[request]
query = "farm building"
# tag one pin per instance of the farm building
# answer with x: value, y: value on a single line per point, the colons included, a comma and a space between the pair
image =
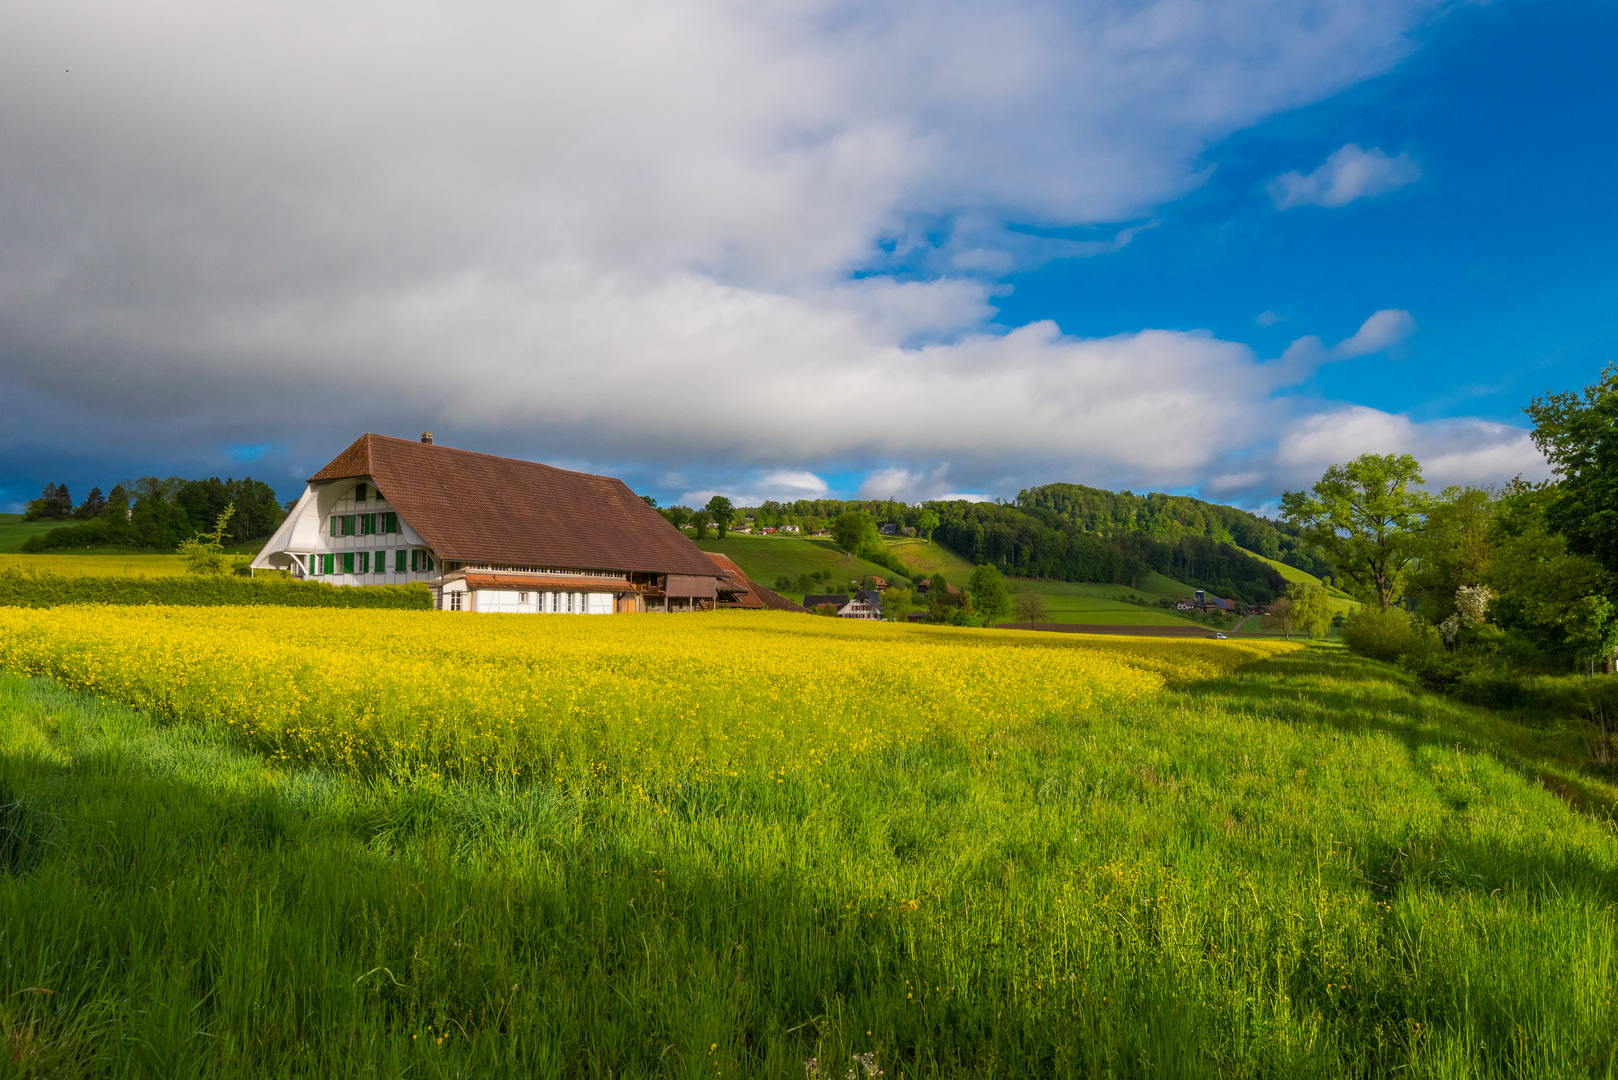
x: 864, y: 604
x: 488, y: 534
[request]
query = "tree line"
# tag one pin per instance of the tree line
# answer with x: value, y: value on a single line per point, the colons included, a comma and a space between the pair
x: 1470, y: 584
x: 154, y: 515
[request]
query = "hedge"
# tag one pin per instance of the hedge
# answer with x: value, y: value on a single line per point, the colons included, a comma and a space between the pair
x: 35, y: 589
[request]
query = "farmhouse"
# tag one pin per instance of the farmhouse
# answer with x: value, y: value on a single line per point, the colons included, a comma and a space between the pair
x: 488, y: 534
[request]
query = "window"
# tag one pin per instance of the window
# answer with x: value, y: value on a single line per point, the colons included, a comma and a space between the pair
x: 522, y: 598
x: 365, y: 562
x: 348, y: 562
x: 348, y: 524
x: 359, y: 493
x: 390, y: 523
x: 327, y: 563
x: 570, y: 603
x: 399, y: 561
x: 455, y: 601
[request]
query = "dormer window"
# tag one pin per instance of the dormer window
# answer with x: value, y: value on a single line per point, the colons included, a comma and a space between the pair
x: 359, y: 493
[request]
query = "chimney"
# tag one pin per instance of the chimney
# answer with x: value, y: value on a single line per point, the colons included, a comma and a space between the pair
x: 427, y: 437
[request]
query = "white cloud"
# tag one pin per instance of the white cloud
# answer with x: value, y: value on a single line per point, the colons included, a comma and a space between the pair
x: 1348, y: 174
x: 612, y: 230
x: 782, y: 485
x: 1385, y: 330
x: 1462, y: 451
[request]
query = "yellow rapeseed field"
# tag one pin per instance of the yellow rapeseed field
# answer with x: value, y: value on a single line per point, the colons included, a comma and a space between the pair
x: 650, y: 700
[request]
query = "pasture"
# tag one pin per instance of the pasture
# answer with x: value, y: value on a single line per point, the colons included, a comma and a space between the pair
x: 1182, y: 858
x: 14, y: 531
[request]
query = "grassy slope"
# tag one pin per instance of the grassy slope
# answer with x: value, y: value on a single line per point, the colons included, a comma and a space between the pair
x: 14, y: 531
x: 1339, y: 600
x: 1305, y: 869
x: 763, y: 558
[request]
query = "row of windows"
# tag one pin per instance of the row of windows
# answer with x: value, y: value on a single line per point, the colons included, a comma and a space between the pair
x: 364, y: 524
x: 369, y: 562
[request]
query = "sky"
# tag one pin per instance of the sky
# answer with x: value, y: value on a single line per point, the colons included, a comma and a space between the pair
x: 803, y: 249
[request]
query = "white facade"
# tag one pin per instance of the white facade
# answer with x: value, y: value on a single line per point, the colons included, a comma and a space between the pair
x: 334, y: 537
x: 459, y: 596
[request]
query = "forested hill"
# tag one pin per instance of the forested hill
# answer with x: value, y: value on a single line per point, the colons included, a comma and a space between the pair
x: 1170, y: 517
x: 1036, y: 541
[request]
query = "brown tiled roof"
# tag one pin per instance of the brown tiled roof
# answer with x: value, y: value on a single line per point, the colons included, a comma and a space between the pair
x: 756, y: 596
x: 473, y: 507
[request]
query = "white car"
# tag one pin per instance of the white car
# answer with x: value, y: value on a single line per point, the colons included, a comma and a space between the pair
x: 1221, y: 637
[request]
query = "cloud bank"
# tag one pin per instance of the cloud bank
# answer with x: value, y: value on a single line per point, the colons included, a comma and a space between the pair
x: 712, y: 238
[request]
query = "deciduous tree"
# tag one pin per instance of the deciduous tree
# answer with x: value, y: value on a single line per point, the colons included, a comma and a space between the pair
x: 722, y: 513
x: 1366, y: 516
x: 991, y: 600
x: 1030, y: 607
x: 1579, y: 437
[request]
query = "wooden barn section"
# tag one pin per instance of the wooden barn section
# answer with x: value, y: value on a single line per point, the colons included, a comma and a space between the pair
x: 488, y: 534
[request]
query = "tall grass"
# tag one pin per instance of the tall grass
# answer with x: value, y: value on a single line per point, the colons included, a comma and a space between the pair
x: 1305, y: 868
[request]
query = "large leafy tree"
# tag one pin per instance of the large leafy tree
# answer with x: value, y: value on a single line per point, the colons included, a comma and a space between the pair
x: 1579, y: 437
x: 1560, y: 601
x: 991, y: 600
x: 1456, y: 544
x: 1366, y: 517
x: 722, y: 513
x: 853, y: 531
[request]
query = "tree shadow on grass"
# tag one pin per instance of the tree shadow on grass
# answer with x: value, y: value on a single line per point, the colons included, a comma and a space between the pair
x: 1357, y: 696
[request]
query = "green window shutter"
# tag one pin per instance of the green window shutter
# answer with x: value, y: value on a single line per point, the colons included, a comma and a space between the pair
x: 348, y: 524
x: 327, y: 563
x: 334, y: 524
x: 398, y: 561
x: 390, y: 522
x: 426, y: 560
x: 348, y: 562
x: 314, y: 565
x: 415, y: 560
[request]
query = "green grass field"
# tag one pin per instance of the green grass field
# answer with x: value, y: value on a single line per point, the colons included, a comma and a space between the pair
x: 1306, y: 869
x: 14, y: 531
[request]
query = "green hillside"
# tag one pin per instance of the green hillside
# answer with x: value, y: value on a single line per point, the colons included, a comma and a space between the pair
x: 765, y: 558
x: 1341, y: 602
x: 14, y: 531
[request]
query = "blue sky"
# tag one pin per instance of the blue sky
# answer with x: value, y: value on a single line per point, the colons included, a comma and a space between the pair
x: 1502, y: 250
x: 894, y: 249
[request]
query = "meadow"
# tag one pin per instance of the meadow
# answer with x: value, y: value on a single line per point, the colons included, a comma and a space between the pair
x: 14, y: 531
x: 1190, y: 858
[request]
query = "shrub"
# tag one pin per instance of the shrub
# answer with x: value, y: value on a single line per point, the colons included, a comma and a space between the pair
x: 1381, y: 635
x: 40, y: 590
